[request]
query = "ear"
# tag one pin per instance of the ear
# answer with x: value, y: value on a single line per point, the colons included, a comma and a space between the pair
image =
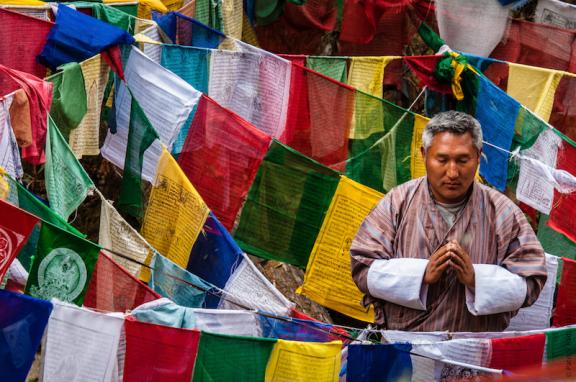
x: 423, y: 152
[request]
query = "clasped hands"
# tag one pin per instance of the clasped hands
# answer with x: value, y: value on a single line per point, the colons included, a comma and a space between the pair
x: 450, y: 255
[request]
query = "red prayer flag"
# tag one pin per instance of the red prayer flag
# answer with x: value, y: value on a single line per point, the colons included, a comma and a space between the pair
x: 15, y: 227
x: 112, y: 288
x: 39, y: 93
x: 515, y: 353
x: 221, y: 156
x: 564, y: 207
x: 424, y: 67
x: 565, y: 313
x: 23, y: 38
x: 159, y: 353
x: 320, y: 114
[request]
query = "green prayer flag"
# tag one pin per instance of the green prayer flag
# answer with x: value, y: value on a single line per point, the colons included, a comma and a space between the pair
x: 209, y: 12
x: 431, y: 38
x: 69, y: 100
x: 380, y: 152
x: 232, y: 358
x: 67, y: 183
x: 24, y: 199
x: 560, y: 343
x: 62, y: 266
x: 285, y: 206
x: 554, y: 242
x: 141, y: 134
x: 114, y: 16
x: 333, y: 67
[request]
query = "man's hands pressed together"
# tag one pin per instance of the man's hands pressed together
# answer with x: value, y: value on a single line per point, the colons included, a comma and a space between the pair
x: 450, y: 255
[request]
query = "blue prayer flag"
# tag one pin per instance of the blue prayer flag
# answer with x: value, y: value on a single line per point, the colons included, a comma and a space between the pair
x: 215, y: 256
x: 192, y: 32
x: 295, y: 329
x: 76, y: 37
x: 22, y: 323
x: 496, y: 111
x: 379, y: 362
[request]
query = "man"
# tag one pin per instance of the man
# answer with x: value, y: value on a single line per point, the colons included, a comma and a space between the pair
x: 444, y: 252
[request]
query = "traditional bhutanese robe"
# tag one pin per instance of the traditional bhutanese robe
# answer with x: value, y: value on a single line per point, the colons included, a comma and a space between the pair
x: 390, y: 252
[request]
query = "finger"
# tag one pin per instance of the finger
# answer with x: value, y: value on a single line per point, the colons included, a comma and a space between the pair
x: 444, y: 266
x: 440, y: 251
x: 459, y: 269
x: 458, y: 260
x: 443, y: 258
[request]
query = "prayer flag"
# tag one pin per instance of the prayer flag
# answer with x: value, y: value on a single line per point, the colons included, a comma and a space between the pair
x: 232, y: 358
x: 516, y: 353
x: 84, y: 140
x: 69, y: 102
x: 299, y: 328
x: 62, y: 266
x: 497, y: 113
x: 248, y: 287
x: 81, y: 345
x: 561, y: 343
x: 417, y: 166
x: 27, y: 201
x: 39, y: 95
x: 333, y: 67
x: 538, y: 315
x: 117, y: 235
x: 220, y: 157
x: 22, y: 40
x: 159, y: 353
x: 256, y: 86
x: 304, y: 361
x: 233, y: 322
x: 22, y: 323
x: 565, y: 313
x: 189, y: 63
x: 561, y: 217
x: 176, y: 283
x: 320, y: 115
x: 175, y: 213
x: 285, y: 206
x: 197, y: 32
x: 367, y: 74
x: 380, y: 154
x: 166, y: 100
x: 555, y: 242
x: 113, y: 289
x: 16, y: 226
x: 328, y: 279
x: 10, y: 158
x: 533, y: 87
x: 67, y: 183
x: 76, y: 37
x: 214, y: 257
x: 141, y: 134
x: 379, y: 362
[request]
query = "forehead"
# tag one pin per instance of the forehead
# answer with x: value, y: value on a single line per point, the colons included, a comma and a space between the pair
x: 448, y: 143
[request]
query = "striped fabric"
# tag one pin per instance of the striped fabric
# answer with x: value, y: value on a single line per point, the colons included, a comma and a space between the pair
x: 407, y: 224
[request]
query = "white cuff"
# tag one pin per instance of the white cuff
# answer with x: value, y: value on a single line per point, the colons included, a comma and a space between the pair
x: 399, y: 281
x: 497, y: 290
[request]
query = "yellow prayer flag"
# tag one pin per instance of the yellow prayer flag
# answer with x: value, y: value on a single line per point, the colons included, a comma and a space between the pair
x: 175, y: 213
x: 232, y: 12
x: 417, y: 167
x: 27, y: 3
x: 84, y: 140
x: 328, y: 279
x: 304, y: 361
x: 533, y: 87
x: 367, y: 74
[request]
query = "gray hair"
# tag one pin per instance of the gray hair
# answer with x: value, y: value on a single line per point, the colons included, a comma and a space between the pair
x: 454, y: 122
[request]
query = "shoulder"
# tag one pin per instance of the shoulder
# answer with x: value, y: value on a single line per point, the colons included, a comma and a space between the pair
x: 500, y: 205
x: 397, y: 198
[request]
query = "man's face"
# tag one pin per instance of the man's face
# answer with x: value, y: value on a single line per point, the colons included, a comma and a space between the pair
x: 451, y: 164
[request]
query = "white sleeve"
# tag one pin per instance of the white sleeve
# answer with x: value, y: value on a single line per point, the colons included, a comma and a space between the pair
x: 399, y: 281
x: 497, y: 290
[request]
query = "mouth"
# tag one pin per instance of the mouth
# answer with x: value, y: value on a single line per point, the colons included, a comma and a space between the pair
x: 452, y: 185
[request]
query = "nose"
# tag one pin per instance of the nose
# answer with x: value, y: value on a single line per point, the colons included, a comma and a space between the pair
x: 452, y: 171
